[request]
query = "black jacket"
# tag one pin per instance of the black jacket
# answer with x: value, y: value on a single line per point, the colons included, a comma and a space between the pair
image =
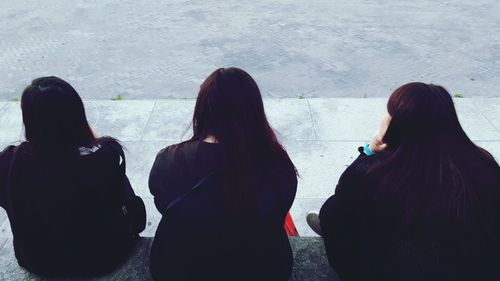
x: 66, y: 210
x: 362, y: 241
x: 195, y: 241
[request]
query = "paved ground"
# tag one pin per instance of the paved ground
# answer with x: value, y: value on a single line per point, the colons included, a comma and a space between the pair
x: 320, y: 134
x: 324, y: 48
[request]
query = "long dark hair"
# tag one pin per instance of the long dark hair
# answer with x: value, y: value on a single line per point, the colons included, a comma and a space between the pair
x: 432, y: 173
x: 230, y: 108
x: 54, y: 115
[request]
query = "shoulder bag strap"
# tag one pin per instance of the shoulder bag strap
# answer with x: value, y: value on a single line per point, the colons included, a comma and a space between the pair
x: 196, y: 186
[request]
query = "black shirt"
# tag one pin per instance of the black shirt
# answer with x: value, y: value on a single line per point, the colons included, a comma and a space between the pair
x: 363, y: 242
x: 65, y: 208
x: 196, y: 243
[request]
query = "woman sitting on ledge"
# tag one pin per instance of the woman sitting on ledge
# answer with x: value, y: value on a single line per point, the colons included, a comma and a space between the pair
x: 422, y: 202
x: 225, y: 193
x: 71, y: 208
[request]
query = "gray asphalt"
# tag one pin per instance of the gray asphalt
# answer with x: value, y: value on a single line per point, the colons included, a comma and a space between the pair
x: 153, y: 49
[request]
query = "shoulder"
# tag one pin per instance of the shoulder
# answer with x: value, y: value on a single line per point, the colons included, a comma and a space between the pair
x: 107, y: 145
x: 179, y: 151
x: 166, y: 153
x: 105, y: 151
x: 360, y: 167
x: 363, y: 163
x: 7, y: 151
x: 285, y: 168
x: 108, y: 142
x: 171, y: 162
x: 6, y: 155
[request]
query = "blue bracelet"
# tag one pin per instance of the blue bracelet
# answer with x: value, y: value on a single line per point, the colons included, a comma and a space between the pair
x: 367, y: 150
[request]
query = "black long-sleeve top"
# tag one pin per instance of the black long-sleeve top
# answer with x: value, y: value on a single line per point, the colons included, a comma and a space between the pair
x: 363, y: 244
x: 194, y: 243
x: 66, y: 209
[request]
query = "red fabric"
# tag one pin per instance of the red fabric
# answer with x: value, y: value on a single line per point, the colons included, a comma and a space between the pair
x: 290, y: 226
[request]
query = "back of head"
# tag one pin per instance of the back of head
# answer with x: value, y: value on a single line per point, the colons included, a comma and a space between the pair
x: 54, y: 115
x: 433, y: 178
x: 230, y: 108
x: 422, y: 114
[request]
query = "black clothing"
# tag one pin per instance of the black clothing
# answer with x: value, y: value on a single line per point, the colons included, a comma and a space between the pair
x: 72, y: 213
x: 195, y: 241
x: 363, y: 242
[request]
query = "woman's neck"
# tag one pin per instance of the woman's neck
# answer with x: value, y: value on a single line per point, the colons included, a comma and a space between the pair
x: 210, y: 139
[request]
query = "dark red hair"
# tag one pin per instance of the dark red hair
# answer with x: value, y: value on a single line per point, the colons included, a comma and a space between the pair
x: 230, y: 108
x: 433, y: 178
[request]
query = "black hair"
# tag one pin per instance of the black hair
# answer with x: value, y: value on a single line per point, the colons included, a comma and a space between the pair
x: 432, y: 173
x: 54, y: 115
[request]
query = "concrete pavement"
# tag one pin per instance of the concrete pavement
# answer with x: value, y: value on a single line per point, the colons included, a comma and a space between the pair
x: 153, y: 49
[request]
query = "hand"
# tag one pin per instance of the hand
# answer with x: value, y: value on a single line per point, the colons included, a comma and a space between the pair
x: 377, y: 144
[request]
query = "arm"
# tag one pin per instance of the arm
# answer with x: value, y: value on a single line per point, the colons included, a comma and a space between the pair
x: 291, y: 185
x: 128, y: 190
x: 340, y: 217
x: 171, y: 176
x: 158, y: 181
x: 134, y: 204
x: 5, y: 161
x: 284, y: 178
x: 119, y: 155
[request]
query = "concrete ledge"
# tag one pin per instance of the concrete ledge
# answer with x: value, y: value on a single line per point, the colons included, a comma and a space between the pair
x: 309, y: 252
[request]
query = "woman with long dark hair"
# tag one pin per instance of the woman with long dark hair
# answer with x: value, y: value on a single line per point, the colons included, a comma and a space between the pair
x: 425, y: 203
x: 71, y: 208
x: 225, y: 193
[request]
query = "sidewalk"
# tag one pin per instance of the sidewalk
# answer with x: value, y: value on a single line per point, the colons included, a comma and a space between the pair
x: 321, y: 136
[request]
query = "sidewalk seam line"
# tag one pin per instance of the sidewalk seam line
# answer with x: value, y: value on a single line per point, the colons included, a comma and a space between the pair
x: 147, y: 122
x: 5, y: 242
x: 312, y: 119
x: 3, y: 108
x: 482, y: 114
